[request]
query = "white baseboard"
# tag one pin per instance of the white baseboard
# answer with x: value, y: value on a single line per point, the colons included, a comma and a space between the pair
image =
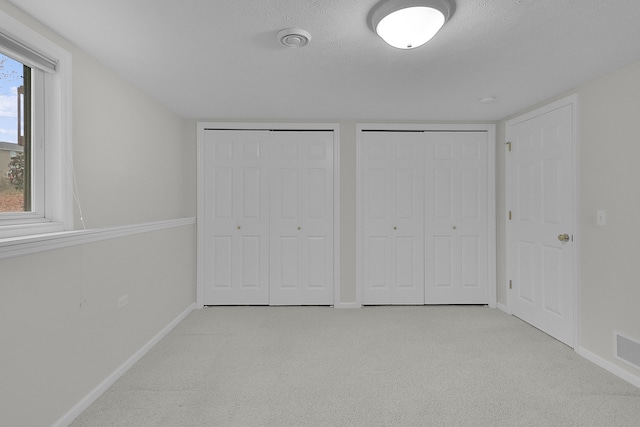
x: 347, y: 305
x: 94, y: 394
x: 611, y: 367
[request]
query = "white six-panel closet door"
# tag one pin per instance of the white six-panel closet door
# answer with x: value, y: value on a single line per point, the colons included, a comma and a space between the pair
x: 301, y: 267
x: 456, y: 218
x: 237, y: 218
x: 393, y: 184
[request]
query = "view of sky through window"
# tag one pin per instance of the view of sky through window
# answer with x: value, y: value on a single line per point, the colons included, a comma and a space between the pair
x: 13, y: 171
x: 10, y: 80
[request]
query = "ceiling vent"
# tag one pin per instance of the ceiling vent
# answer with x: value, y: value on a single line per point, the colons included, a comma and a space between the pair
x: 294, y: 37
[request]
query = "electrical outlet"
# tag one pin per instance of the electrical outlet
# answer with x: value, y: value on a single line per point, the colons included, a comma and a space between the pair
x: 123, y: 300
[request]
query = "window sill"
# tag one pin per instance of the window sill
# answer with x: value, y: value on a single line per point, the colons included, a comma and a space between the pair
x: 29, y: 229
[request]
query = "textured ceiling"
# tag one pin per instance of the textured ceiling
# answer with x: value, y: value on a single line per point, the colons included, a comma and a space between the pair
x: 221, y: 59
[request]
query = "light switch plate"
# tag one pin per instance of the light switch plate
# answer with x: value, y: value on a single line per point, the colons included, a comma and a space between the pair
x: 601, y: 217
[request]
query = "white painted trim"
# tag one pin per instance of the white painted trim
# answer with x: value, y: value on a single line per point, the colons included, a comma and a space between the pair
x: 53, y: 196
x: 617, y: 334
x: 611, y: 367
x: 336, y: 215
x: 94, y: 394
x: 490, y: 129
x: 576, y: 223
x: 21, y: 246
x: 25, y: 229
x: 435, y: 127
x: 502, y: 307
x: 347, y: 305
x: 571, y: 100
x: 359, y: 217
x: 200, y: 214
x: 202, y: 127
x: 507, y: 226
x: 492, y: 233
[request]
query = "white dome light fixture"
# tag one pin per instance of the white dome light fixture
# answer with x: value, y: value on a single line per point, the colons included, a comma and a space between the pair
x: 407, y: 24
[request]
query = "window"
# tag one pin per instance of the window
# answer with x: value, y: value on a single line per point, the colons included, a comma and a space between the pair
x: 15, y: 136
x: 35, y: 183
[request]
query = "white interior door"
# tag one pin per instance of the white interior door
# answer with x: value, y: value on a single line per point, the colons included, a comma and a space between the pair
x: 236, y: 227
x: 393, y: 213
x: 456, y: 251
x: 301, y: 218
x: 541, y: 229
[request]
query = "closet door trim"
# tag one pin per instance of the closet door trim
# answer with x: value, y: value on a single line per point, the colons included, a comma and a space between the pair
x: 201, y: 127
x: 490, y: 131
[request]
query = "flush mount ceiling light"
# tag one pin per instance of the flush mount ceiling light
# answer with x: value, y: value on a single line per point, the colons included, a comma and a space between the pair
x: 294, y: 37
x: 407, y: 24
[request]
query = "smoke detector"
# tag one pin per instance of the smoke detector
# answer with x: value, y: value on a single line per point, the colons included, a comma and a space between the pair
x: 294, y: 37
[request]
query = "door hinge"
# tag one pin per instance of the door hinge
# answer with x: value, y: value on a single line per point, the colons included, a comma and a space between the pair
x: 509, y: 215
x: 508, y: 144
x: 510, y: 284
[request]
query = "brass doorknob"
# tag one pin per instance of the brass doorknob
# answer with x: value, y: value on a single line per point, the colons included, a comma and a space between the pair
x: 563, y: 237
x: 299, y: 228
x: 395, y: 228
x: 239, y: 227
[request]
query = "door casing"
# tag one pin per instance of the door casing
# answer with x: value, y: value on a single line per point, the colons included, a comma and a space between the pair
x: 491, y: 194
x: 201, y: 127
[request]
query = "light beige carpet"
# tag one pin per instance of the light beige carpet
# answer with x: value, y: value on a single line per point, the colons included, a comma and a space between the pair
x: 376, y: 366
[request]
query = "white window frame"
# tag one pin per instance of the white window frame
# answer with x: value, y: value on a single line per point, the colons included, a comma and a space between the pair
x: 51, y: 139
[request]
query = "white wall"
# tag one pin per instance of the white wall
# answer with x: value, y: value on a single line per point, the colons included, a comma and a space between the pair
x: 609, y: 112
x: 61, y: 333
x: 608, y: 154
x: 133, y: 157
x: 348, y: 211
x: 60, y: 329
